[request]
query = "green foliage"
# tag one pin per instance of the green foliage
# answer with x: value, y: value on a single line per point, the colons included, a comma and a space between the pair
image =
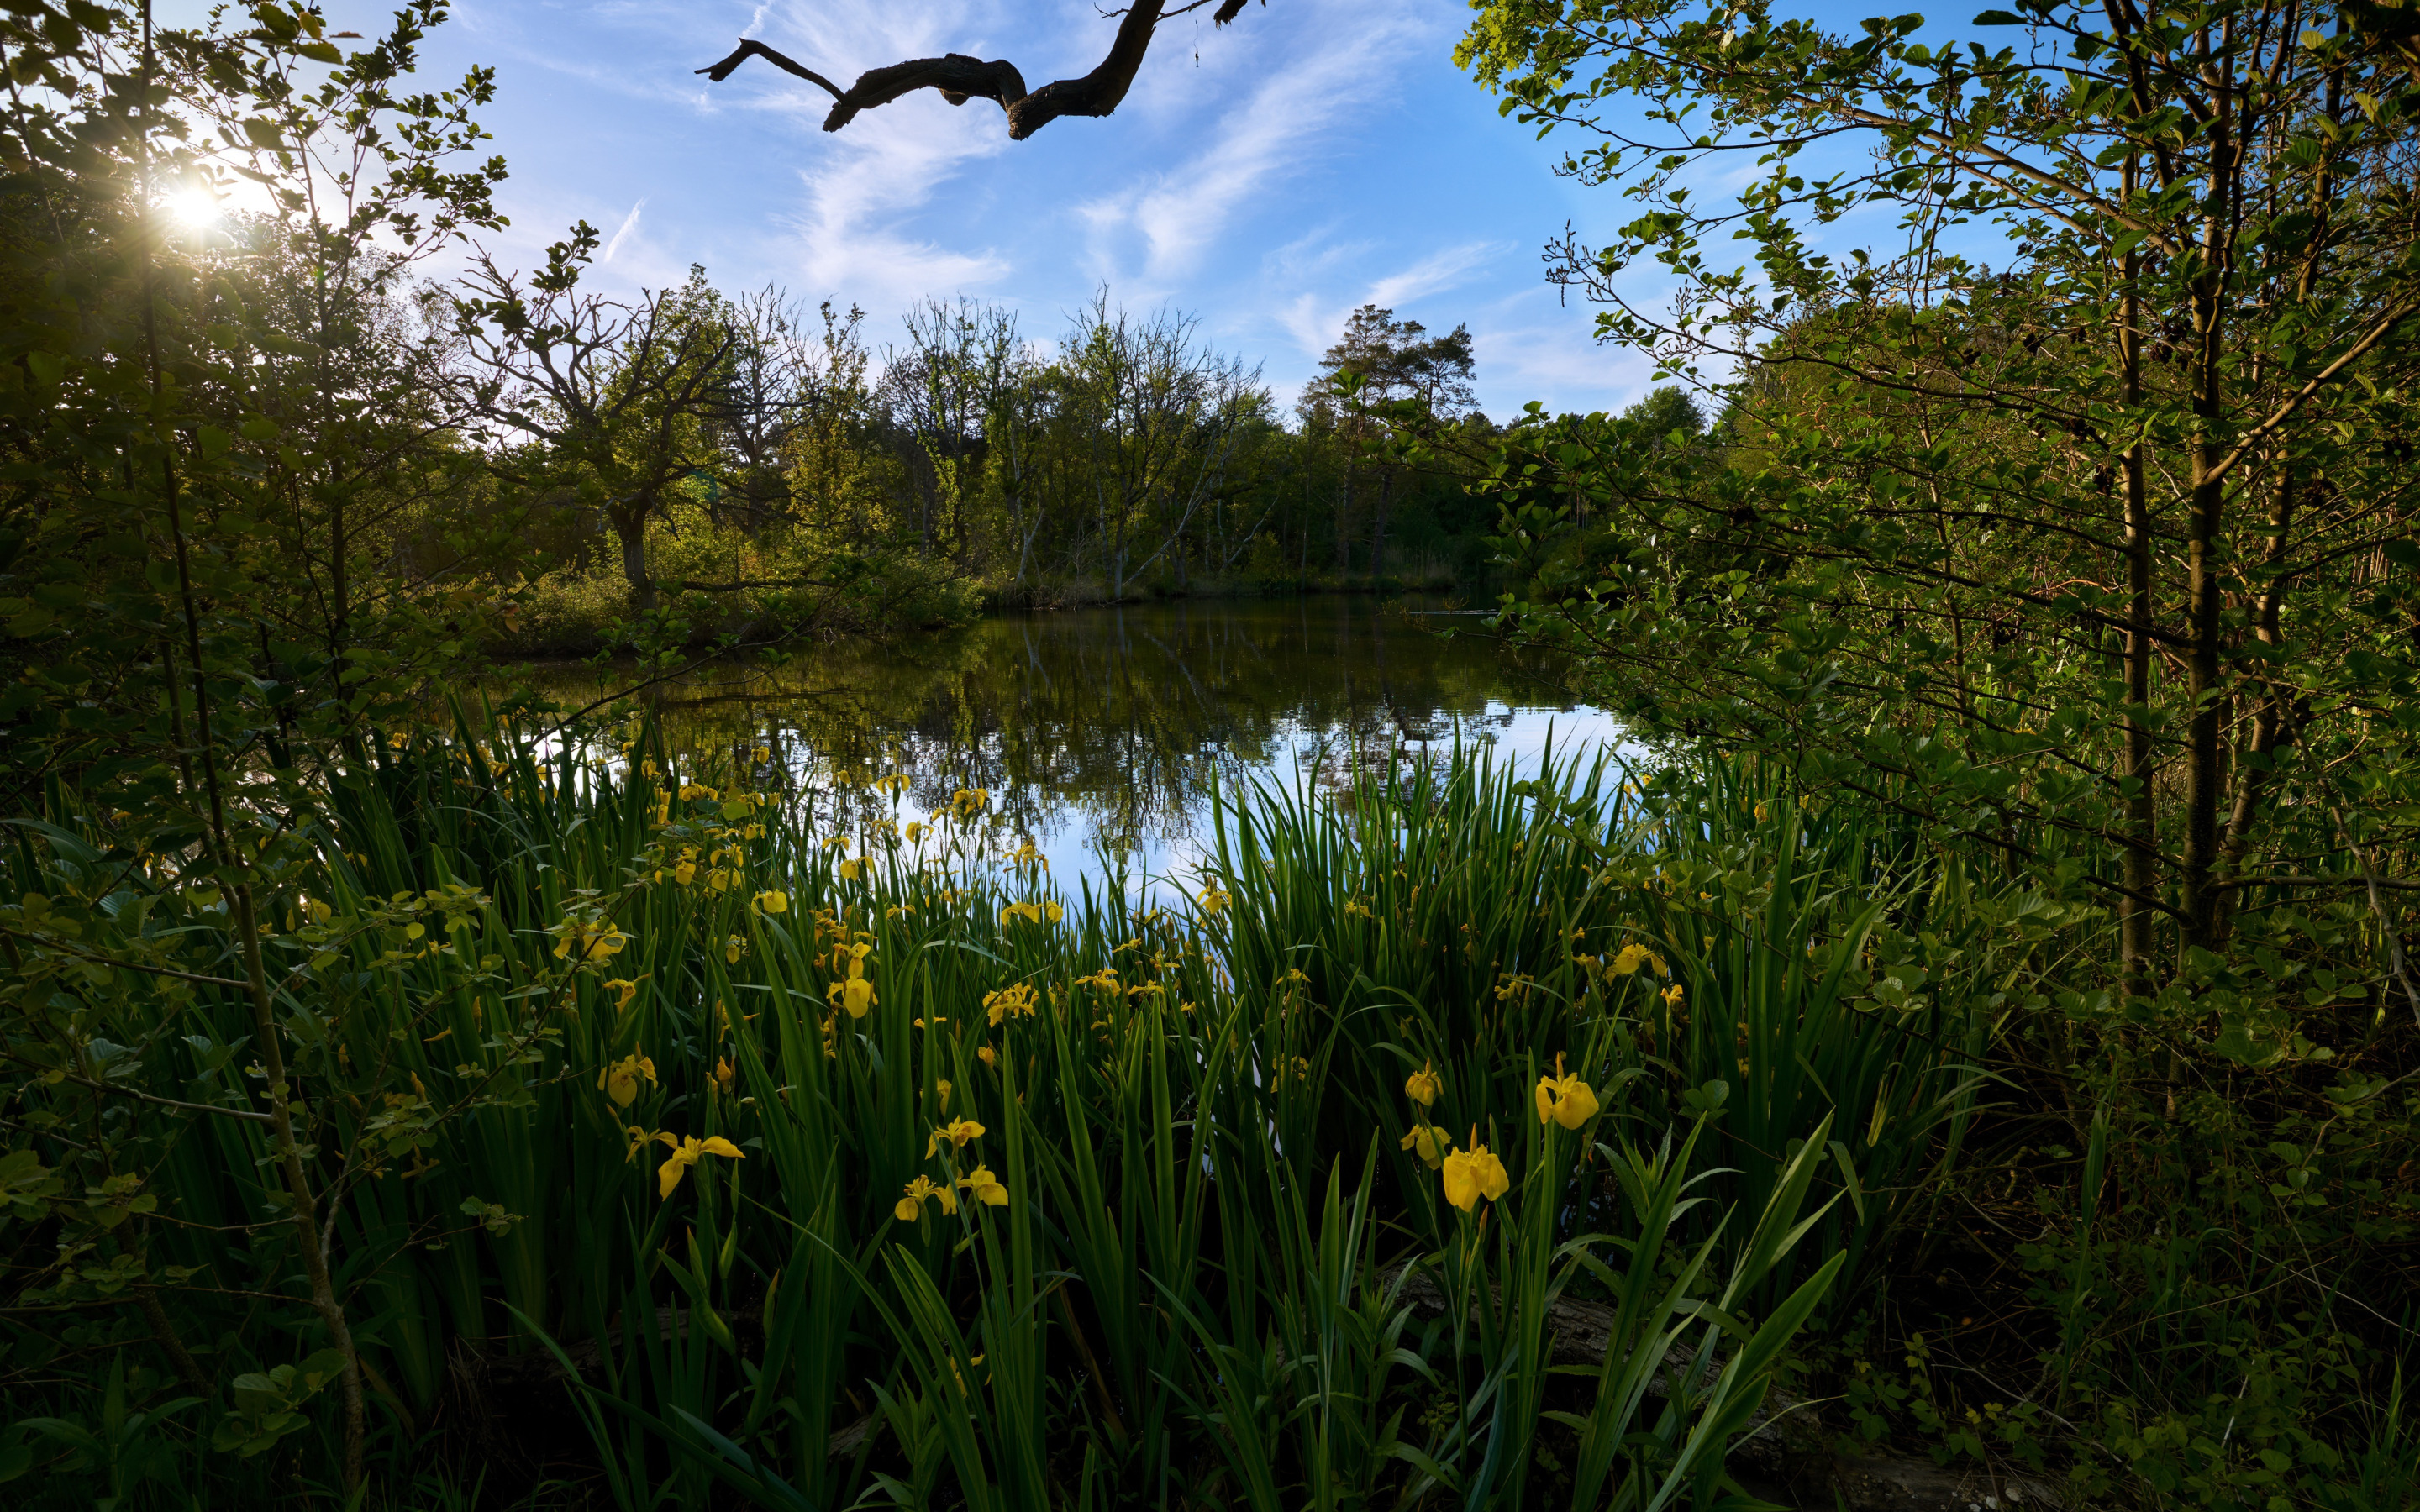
x: 624, y: 1057
x: 2059, y: 531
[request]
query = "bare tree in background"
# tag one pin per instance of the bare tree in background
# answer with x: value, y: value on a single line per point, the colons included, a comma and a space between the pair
x: 960, y: 78
x: 620, y: 393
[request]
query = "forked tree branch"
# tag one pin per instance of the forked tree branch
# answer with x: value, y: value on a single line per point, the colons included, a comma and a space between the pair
x: 960, y: 78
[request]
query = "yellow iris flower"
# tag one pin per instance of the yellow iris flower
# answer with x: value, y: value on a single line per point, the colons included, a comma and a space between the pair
x: 775, y: 902
x: 627, y: 988
x: 1472, y: 1174
x: 1014, y: 1001
x: 958, y: 1131
x: 913, y: 831
x: 851, y: 869
x: 982, y: 1185
x: 620, y: 1080
x: 912, y: 1207
x: 853, y: 992
x: 584, y: 943
x: 688, y: 1153
x: 1429, y: 1143
x: 967, y: 802
x: 1424, y: 1086
x: 733, y: 949
x: 726, y: 1076
x: 1632, y: 957
x: 1565, y: 1098
x: 1214, y: 901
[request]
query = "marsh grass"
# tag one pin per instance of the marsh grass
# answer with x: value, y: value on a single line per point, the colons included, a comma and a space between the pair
x: 629, y: 1088
x: 512, y: 981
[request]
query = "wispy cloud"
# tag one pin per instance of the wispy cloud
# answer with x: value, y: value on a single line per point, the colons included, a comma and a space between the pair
x: 1317, y: 75
x: 629, y: 224
x: 1267, y: 176
x: 1560, y: 362
x: 1314, y: 322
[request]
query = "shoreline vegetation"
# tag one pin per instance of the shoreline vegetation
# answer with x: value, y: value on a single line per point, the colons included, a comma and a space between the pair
x: 715, y: 1125
x: 565, y: 619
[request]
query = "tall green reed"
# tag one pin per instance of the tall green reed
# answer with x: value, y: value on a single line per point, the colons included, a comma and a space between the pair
x: 613, y: 1059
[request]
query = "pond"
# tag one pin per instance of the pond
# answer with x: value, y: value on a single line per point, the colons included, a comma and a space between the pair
x: 1099, y: 734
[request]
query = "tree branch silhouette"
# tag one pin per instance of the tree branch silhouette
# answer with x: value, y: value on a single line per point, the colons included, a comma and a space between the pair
x: 960, y: 78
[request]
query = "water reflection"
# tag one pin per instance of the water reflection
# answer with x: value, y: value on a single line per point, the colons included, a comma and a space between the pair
x: 1105, y: 729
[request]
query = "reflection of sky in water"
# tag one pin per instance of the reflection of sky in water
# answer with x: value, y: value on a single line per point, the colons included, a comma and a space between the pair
x: 1512, y: 735
x: 1108, y: 728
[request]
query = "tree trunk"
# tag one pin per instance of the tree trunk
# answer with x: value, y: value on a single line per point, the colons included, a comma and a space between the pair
x: 2205, y: 569
x: 1345, y: 525
x: 1378, y: 528
x: 2138, y: 865
x: 631, y: 527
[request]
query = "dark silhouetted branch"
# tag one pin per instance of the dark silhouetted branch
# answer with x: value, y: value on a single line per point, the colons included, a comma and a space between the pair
x: 960, y: 78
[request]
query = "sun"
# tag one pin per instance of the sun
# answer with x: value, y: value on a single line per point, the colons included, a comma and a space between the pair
x: 193, y: 207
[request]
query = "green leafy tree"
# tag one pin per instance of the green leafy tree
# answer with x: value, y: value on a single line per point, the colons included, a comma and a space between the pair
x: 1379, y: 364
x: 2071, y: 511
x: 197, y: 480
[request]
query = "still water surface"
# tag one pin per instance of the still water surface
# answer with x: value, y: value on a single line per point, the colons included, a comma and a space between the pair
x: 1100, y: 733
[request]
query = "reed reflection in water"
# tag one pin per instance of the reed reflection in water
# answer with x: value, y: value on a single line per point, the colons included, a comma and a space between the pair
x: 1102, y: 731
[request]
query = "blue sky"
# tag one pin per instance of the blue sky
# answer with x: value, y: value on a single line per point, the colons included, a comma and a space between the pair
x: 1268, y: 178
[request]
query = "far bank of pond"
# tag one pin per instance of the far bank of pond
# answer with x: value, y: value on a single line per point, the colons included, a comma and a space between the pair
x: 1104, y: 729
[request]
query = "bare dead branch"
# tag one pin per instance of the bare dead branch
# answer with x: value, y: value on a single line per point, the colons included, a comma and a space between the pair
x: 960, y: 78
x: 748, y: 49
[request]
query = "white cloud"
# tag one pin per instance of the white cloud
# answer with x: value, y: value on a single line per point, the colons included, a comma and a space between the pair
x: 1267, y: 176
x: 629, y: 224
x: 1319, y: 73
x: 1559, y: 361
x: 1314, y: 323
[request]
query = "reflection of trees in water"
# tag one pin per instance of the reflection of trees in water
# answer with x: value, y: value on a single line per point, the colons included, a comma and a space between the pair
x: 1122, y: 716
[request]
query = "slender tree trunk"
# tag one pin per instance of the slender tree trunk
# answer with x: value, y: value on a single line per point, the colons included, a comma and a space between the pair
x: 1379, y: 529
x: 2205, y: 570
x: 1345, y: 525
x: 2137, y: 867
x: 2271, y: 717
